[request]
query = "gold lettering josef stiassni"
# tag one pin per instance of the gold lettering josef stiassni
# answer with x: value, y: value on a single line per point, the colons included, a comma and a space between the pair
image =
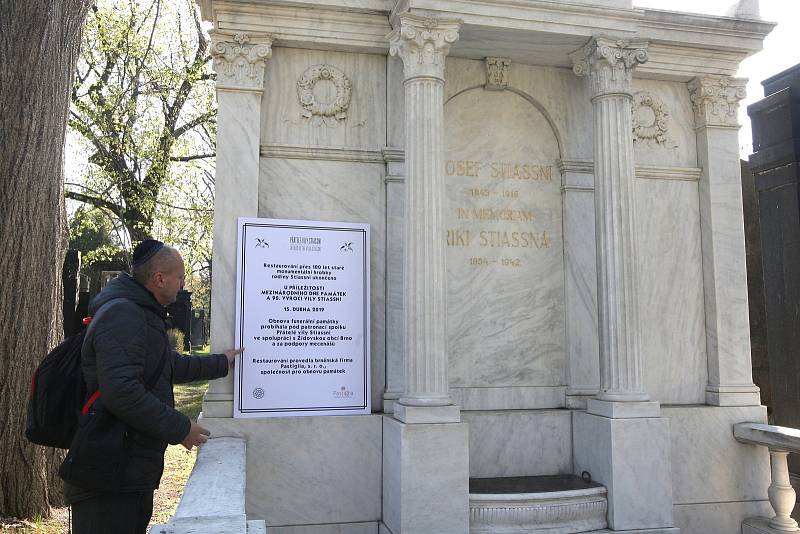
x: 500, y: 170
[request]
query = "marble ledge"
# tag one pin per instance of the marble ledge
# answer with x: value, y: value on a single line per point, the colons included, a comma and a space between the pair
x: 427, y: 414
x: 760, y: 525
x: 329, y: 27
x: 623, y: 410
x: 653, y: 172
x: 324, y: 153
x: 775, y: 437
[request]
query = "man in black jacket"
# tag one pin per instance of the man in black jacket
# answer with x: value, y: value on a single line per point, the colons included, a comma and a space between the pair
x: 122, y: 351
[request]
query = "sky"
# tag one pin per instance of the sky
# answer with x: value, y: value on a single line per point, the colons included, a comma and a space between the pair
x: 781, y: 47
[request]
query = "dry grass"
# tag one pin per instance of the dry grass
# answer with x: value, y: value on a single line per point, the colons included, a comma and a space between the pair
x: 178, y: 463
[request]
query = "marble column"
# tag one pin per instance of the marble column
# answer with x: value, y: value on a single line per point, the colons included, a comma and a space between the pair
x: 422, y: 44
x: 609, y: 66
x: 730, y: 379
x: 240, y: 61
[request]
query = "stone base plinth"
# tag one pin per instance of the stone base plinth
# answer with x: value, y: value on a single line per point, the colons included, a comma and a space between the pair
x: 425, y: 478
x: 631, y: 458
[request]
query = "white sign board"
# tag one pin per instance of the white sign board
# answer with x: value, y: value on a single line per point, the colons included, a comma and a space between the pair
x: 302, y: 301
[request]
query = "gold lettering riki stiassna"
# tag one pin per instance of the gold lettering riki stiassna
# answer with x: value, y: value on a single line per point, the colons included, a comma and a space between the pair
x: 499, y: 239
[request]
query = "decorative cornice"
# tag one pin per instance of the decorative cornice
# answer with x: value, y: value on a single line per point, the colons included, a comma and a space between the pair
x: 575, y: 165
x: 497, y: 73
x: 609, y: 63
x: 715, y: 100
x: 240, y: 59
x: 652, y: 172
x: 423, y: 43
x: 321, y: 153
x: 393, y: 154
x: 658, y: 172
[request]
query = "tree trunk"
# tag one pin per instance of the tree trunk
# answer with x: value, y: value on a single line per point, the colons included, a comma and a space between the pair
x: 39, y: 41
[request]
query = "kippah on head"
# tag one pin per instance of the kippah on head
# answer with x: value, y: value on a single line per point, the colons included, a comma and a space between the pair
x: 145, y: 250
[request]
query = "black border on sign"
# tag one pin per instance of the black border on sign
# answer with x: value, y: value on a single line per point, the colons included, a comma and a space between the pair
x: 365, y: 318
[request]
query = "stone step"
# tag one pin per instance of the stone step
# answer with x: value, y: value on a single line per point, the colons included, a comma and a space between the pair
x: 559, y: 504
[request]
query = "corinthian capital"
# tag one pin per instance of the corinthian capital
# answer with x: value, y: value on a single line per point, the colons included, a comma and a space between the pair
x: 422, y: 43
x: 715, y: 100
x: 240, y: 59
x: 609, y: 63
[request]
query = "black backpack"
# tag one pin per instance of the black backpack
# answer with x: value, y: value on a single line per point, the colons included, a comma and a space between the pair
x: 58, y: 391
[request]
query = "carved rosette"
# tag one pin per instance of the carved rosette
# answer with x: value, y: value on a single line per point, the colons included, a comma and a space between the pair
x: 423, y: 43
x: 650, y: 118
x: 240, y: 59
x: 609, y: 63
x: 497, y: 73
x: 715, y: 100
x: 324, y: 112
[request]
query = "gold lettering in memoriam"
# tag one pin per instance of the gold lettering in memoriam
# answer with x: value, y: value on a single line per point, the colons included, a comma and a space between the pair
x: 489, y: 214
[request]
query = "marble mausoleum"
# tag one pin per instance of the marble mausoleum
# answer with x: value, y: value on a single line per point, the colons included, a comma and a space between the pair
x: 559, y: 337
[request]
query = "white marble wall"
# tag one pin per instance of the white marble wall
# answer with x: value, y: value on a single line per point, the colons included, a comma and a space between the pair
x: 671, y: 306
x: 519, y: 443
x: 708, y: 464
x: 365, y: 125
x: 395, y: 338
x: 580, y: 285
x: 336, y: 191
x: 310, y: 470
x: 717, y: 481
x: 505, y: 320
x: 671, y: 290
x: 671, y: 104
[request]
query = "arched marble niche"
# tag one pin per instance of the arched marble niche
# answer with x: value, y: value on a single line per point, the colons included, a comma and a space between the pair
x: 502, y: 214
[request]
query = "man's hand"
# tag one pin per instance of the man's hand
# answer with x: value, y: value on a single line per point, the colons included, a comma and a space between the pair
x: 197, y: 435
x: 231, y: 355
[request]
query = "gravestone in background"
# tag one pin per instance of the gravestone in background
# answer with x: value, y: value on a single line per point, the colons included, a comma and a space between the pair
x: 198, y: 330
x: 82, y: 307
x: 776, y: 145
x: 69, y: 276
x: 180, y: 316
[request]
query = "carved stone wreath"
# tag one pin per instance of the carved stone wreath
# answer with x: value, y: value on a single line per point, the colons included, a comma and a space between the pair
x: 654, y: 130
x: 328, y: 112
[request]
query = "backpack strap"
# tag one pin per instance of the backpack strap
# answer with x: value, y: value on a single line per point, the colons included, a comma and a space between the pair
x: 151, y: 381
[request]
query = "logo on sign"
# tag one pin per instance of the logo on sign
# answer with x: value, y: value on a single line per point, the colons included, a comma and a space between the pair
x: 343, y: 393
x: 258, y: 393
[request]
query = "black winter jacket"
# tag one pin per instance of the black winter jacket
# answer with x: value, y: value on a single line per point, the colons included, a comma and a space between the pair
x: 122, y: 350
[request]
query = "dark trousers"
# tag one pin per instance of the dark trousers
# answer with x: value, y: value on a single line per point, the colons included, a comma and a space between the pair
x: 117, y: 513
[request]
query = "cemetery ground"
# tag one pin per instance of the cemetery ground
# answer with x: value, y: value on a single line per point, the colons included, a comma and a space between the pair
x: 178, y: 464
